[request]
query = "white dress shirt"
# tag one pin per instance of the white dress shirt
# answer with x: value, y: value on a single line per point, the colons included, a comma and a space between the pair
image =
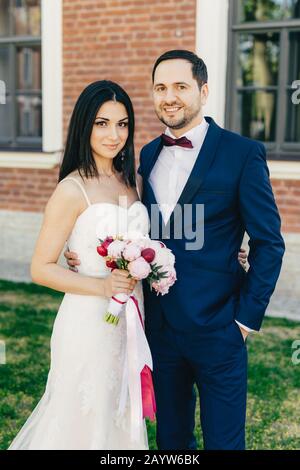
x: 172, y: 170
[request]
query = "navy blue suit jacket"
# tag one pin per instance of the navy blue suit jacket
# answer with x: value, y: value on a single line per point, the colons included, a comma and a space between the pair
x: 231, y: 178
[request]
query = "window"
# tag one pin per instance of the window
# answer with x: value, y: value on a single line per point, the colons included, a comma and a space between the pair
x: 20, y: 70
x: 263, y: 64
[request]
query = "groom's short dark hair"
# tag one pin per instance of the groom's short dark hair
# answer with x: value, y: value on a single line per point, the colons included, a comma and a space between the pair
x: 199, y: 69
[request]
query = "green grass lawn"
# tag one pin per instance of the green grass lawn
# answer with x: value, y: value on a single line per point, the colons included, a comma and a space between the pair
x: 27, y: 313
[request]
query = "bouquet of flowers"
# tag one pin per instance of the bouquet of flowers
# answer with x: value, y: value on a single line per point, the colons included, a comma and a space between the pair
x: 143, y: 258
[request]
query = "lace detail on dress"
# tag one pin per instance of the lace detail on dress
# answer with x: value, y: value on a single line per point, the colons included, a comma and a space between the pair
x: 88, y: 395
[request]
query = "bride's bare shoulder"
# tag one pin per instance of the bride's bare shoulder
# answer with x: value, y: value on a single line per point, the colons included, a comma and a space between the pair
x: 74, y: 175
x: 68, y: 193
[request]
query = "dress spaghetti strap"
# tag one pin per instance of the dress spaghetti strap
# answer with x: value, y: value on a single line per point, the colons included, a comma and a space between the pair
x: 80, y: 186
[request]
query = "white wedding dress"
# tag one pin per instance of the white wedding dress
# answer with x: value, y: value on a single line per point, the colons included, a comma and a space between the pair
x: 79, y: 408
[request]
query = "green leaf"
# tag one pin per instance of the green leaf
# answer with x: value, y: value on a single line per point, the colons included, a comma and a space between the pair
x: 163, y: 274
x: 119, y: 263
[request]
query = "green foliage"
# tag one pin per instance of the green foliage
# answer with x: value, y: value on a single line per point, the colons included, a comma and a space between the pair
x: 27, y: 313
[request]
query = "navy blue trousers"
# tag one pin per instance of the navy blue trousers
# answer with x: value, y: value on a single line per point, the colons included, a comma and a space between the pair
x: 217, y: 363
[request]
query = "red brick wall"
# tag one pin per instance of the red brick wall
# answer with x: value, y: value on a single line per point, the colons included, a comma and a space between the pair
x: 287, y: 195
x: 113, y: 39
x: 120, y: 40
x: 26, y: 189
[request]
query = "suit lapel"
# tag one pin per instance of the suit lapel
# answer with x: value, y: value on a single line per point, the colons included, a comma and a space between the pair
x: 151, y: 160
x: 152, y: 157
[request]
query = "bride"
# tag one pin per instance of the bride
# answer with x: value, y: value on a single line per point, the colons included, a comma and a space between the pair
x: 80, y: 405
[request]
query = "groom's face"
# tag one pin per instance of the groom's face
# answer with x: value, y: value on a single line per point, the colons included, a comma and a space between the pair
x: 177, y: 98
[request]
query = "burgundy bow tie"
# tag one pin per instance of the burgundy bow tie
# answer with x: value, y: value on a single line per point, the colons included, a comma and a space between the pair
x: 182, y: 141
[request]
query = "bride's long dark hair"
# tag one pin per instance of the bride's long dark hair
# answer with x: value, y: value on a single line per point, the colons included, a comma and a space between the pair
x: 77, y: 153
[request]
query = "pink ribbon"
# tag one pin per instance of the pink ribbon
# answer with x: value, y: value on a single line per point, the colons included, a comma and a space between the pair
x: 148, y: 395
x: 137, y: 384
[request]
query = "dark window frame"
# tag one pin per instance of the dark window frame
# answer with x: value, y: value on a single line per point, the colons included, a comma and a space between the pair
x: 13, y: 42
x: 280, y: 149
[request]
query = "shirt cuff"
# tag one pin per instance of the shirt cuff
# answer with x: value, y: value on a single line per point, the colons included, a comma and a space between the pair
x: 244, y: 327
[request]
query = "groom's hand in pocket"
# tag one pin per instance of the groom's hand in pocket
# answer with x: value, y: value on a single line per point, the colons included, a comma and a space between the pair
x: 71, y: 259
x: 245, y: 333
x: 243, y: 258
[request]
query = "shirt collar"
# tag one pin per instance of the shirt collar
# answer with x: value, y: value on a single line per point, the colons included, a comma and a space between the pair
x: 195, y: 135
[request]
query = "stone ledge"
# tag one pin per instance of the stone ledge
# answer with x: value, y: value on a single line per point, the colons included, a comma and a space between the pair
x: 40, y: 160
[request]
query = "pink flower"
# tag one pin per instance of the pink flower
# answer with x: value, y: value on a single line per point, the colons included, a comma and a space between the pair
x: 171, y: 275
x: 155, y: 245
x: 162, y: 286
x: 164, y: 257
x: 115, y: 249
x: 139, y: 268
x: 131, y: 252
x: 144, y: 242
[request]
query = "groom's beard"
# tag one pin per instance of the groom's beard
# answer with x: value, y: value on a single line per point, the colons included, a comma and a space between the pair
x: 189, y: 115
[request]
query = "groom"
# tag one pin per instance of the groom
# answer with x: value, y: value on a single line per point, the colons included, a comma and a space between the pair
x: 197, y: 333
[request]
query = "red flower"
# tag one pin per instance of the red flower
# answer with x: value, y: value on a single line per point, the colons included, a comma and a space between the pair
x: 148, y: 254
x: 111, y: 264
x: 102, y: 250
x: 107, y: 241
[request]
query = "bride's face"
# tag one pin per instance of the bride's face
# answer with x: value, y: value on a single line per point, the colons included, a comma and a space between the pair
x: 110, y: 130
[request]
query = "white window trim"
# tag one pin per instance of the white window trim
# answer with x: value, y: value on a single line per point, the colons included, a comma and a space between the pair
x: 52, y: 77
x: 212, y: 46
x: 29, y: 159
x: 284, y: 170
